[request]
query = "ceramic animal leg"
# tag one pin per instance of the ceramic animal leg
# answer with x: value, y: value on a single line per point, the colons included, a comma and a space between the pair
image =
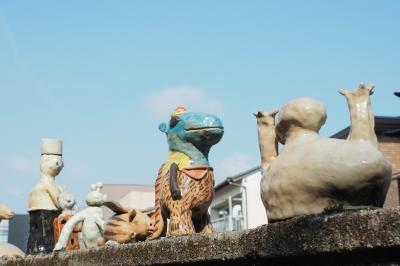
x: 361, y: 115
x: 181, y: 222
x: 203, y: 225
x: 267, y: 136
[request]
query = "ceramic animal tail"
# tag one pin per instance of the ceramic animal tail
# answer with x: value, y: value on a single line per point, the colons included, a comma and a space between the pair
x: 184, y: 186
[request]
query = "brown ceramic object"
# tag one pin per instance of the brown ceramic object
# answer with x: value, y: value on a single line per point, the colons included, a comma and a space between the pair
x: 133, y: 225
x: 58, y: 225
x: 189, y: 214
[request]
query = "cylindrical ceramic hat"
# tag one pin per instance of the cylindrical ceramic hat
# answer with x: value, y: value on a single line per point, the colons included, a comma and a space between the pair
x: 51, y: 147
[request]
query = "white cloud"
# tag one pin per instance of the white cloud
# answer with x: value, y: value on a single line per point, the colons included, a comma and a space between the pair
x: 236, y: 163
x: 162, y: 102
x: 21, y: 164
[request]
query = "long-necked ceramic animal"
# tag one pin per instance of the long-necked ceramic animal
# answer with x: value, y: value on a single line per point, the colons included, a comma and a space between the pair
x: 312, y: 174
x: 185, y: 183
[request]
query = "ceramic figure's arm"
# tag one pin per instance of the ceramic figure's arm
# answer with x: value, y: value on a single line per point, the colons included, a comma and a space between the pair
x: 100, y: 221
x: 267, y: 136
x: 54, y: 192
x: 68, y: 228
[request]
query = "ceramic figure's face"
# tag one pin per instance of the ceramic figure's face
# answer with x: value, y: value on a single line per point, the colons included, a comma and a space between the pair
x: 143, y: 226
x: 66, y: 200
x: 95, y: 198
x: 51, y: 165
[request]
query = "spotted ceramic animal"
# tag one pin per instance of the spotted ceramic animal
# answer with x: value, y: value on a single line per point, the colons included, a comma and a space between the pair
x: 185, y: 183
x: 129, y: 225
x: 313, y: 174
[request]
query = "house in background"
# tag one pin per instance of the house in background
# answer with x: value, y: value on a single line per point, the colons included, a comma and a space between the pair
x: 237, y: 203
x: 15, y: 231
x: 4, y: 231
x: 130, y: 196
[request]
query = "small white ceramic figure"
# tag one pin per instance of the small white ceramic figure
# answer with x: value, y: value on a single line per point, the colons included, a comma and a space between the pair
x: 43, y: 199
x: 92, y: 219
x: 6, y: 249
x: 67, y: 202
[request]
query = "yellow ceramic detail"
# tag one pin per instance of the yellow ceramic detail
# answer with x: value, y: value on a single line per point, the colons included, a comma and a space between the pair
x: 181, y: 159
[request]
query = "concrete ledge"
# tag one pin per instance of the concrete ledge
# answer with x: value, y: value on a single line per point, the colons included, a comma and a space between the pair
x: 361, y: 237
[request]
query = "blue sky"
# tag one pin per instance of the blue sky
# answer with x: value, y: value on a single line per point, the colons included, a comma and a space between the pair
x: 101, y: 75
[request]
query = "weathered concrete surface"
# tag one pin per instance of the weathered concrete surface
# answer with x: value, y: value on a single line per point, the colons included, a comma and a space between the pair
x: 357, y: 237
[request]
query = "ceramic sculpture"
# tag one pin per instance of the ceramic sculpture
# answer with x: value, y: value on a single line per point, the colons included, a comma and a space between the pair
x: 127, y: 225
x: 313, y: 174
x: 66, y: 202
x: 184, y: 186
x: 91, y: 218
x: 6, y: 249
x: 43, y: 199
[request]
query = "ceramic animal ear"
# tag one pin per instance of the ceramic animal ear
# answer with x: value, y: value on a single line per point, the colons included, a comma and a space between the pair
x: 151, y: 213
x: 163, y: 127
x: 132, y: 215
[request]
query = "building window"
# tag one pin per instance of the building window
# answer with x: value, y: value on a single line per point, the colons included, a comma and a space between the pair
x: 228, y: 216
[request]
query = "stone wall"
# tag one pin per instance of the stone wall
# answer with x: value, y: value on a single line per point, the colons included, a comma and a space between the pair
x: 356, y: 237
x: 390, y: 148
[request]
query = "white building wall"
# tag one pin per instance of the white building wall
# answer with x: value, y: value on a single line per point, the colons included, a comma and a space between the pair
x: 4, y: 231
x: 255, y: 208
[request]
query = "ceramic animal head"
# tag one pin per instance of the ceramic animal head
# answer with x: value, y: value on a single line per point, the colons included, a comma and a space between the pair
x: 133, y: 225
x: 66, y: 200
x: 305, y: 113
x: 186, y: 129
x: 5, y: 212
x: 51, y: 164
x: 96, y: 197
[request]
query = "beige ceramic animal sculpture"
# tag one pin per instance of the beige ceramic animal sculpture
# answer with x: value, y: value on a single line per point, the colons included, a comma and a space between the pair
x: 6, y: 249
x: 312, y: 174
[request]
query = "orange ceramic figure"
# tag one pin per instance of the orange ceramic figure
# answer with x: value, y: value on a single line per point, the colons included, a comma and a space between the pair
x: 58, y: 224
x: 185, y: 183
x: 129, y: 225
